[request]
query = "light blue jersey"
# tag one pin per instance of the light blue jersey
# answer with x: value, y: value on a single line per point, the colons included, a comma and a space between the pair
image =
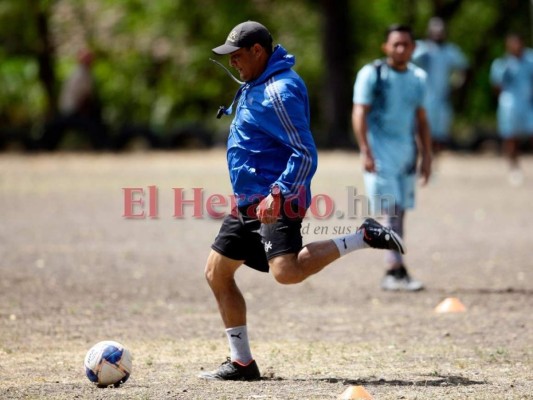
x: 391, y: 121
x: 439, y: 61
x: 393, y: 99
x: 514, y: 77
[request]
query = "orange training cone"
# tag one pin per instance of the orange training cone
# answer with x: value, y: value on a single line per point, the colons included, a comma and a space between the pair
x: 355, y: 393
x: 449, y: 305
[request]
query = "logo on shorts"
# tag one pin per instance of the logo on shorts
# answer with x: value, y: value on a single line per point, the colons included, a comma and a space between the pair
x: 268, y: 246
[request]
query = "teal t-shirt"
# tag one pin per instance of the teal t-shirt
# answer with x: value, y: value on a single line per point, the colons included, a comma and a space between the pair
x: 391, y: 120
x: 439, y: 61
x: 514, y: 76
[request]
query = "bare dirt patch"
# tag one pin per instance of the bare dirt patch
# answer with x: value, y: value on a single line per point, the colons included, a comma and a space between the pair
x: 73, y: 272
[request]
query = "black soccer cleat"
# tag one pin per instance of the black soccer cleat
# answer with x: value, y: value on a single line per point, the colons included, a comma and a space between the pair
x: 381, y: 237
x: 233, y: 371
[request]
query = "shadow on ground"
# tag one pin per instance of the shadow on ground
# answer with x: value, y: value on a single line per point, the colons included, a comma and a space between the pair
x: 426, y: 380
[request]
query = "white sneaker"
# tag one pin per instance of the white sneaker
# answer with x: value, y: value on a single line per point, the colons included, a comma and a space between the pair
x: 516, y: 177
x: 399, y: 280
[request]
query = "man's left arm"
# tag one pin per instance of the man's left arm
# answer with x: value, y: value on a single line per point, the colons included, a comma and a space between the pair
x: 289, y: 124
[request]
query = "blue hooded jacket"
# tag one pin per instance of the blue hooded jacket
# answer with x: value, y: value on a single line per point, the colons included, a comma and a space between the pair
x: 270, y: 142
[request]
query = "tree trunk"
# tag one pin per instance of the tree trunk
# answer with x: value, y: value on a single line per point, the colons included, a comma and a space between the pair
x: 45, y: 55
x: 338, y: 53
x: 446, y: 9
x: 410, y: 12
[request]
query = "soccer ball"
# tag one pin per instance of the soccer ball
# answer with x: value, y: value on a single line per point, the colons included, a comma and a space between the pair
x: 108, y: 363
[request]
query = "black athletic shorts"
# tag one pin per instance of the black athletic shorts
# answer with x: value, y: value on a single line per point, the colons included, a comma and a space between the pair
x: 243, y: 237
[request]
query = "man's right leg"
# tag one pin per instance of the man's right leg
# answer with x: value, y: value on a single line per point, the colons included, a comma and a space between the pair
x: 395, y: 221
x: 397, y: 277
x: 389, y: 196
x: 511, y: 150
x: 220, y: 274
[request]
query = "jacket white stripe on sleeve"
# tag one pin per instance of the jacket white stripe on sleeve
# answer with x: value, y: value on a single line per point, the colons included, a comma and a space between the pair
x: 292, y: 133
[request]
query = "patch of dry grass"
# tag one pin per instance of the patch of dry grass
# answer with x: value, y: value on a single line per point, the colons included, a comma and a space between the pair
x: 73, y: 272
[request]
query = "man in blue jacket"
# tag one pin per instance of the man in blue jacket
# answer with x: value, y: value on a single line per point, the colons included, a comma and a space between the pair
x: 271, y: 158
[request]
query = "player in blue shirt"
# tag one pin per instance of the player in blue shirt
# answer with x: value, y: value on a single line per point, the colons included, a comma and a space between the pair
x: 389, y: 121
x: 441, y: 60
x: 512, y: 78
x: 271, y: 160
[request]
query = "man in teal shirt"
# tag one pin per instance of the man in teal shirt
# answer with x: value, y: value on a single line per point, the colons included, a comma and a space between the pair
x: 441, y: 60
x: 389, y: 121
x: 512, y: 78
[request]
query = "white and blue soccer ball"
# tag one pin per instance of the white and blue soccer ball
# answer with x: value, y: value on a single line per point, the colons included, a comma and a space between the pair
x: 108, y: 363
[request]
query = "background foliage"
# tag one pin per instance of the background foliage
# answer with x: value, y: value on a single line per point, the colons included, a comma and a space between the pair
x: 153, y: 63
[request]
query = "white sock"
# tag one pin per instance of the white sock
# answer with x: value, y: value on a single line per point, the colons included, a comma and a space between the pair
x: 353, y: 241
x: 239, y: 345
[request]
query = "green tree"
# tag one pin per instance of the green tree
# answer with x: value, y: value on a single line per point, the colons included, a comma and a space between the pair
x: 28, y: 54
x: 153, y: 63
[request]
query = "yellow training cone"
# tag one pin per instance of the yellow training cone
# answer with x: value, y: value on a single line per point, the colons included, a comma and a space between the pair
x: 449, y: 305
x: 355, y: 393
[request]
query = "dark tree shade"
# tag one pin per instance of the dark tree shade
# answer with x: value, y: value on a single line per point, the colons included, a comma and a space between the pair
x: 45, y: 55
x: 338, y: 55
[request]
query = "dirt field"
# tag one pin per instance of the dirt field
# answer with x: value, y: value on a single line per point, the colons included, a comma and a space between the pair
x: 74, y: 271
